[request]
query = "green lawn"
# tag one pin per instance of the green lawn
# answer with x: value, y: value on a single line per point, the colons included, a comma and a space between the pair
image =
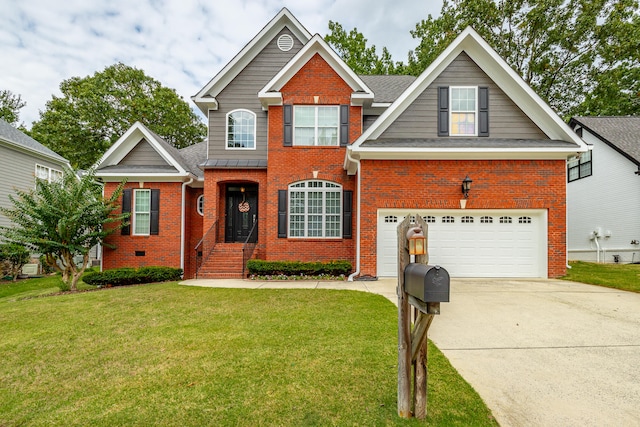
x: 166, y: 355
x: 620, y: 276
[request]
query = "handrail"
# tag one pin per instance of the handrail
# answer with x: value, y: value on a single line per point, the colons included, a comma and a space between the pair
x: 205, y: 246
x: 249, y: 246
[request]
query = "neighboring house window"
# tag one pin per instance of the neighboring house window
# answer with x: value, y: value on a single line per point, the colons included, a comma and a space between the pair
x: 48, y: 174
x: 141, y: 212
x: 315, y: 209
x: 316, y: 125
x: 144, y: 207
x: 579, y: 167
x: 463, y: 111
x: 241, y: 130
x: 200, y: 205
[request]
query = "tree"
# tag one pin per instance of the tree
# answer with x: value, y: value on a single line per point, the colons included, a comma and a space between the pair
x: 10, y: 106
x: 352, y: 48
x: 62, y: 220
x: 95, y: 111
x: 15, y: 256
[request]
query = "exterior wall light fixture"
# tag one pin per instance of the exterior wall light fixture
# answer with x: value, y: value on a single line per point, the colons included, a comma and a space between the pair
x: 466, y: 186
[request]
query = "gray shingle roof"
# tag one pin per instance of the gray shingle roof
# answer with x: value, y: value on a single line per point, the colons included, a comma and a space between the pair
x: 387, y: 88
x: 13, y: 136
x: 621, y: 132
x: 193, y: 156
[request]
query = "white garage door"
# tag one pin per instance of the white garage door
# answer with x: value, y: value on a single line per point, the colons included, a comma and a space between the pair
x: 473, y: 243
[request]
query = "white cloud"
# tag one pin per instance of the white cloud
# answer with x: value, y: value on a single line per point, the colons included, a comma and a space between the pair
x: 183, y: 44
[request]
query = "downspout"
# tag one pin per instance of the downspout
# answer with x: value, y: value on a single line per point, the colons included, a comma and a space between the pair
x: 357, y: 271
x: 183, y: 222
x: 595, y: 238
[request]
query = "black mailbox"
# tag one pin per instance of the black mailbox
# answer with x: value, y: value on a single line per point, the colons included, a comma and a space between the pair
x: 428, y: 283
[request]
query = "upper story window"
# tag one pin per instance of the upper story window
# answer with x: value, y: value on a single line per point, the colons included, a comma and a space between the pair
x: 315, y: 125
x: 200, y: 205
x: 315, y: 209
x: 241, y: 130
x: 463, y: 111
x: 579, y: 167
x: 48, y: 174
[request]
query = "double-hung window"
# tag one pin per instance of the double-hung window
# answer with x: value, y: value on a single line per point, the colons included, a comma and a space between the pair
x: 316, y: 125
x: 241, y: 130
x: 463, y: 111
x: 579, y: 167
x: 142, y: 212
x: 315, y: 209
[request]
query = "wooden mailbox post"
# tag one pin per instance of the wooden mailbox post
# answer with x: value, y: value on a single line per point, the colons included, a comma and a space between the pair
x: 412, y: 344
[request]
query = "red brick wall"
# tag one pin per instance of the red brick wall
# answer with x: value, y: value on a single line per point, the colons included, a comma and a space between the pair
x: 287, y: 165
x: 435, y: 184
x: 160, y: 250
x: 193, y: 230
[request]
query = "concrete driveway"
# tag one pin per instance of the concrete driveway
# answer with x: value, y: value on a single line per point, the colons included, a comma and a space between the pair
x: 545, y: 352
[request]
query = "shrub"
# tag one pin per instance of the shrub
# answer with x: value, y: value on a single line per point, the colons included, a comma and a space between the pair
x: 261, y: 267
x: 132, y: 276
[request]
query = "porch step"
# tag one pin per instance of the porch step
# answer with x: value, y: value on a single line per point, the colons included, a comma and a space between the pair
x: 225, y: 262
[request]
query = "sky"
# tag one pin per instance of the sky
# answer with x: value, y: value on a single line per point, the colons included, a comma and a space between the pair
x: 180, y: 43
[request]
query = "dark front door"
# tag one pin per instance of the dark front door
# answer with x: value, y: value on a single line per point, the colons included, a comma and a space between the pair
x: 242, y: 213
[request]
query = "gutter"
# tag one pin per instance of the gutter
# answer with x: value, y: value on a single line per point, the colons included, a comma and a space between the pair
x: 357, y: 271
x: 183, y: 223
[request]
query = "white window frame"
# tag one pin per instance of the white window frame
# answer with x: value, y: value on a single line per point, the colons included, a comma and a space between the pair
x: 229, y: 114
x: 200, y: 205
x: 316, y: 127
x: 47, y: 173
x: 453, y: 111
x: 300, y: 211
x: 139, y: 213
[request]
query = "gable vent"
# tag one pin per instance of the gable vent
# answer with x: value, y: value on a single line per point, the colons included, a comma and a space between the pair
x: 285, y: 42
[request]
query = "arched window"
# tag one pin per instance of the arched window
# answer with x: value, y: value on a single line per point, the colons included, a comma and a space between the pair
x: 241, y: 130
x: 315, y: 209
x: 200, y: 205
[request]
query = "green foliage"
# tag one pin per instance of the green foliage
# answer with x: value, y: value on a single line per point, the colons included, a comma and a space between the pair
x: 297, y: 268
x: 132, y: 276
x: 14, y: 255
x: 10, y: 106
x: 95, y: 111
x: 63, y: 219
x: 352, y: 48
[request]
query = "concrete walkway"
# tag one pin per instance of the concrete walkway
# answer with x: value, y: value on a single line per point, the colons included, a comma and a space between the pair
x: 539, y: 352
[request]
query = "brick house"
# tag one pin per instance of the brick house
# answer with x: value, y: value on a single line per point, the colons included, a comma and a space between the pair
x: 305, y: 160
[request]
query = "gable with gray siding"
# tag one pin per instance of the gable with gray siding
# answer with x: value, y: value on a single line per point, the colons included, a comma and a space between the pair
x: 242, y: 93
x: 420, y: 119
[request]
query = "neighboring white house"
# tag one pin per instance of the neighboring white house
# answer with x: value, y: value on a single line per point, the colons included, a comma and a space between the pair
x: 22, y: 160
x: 603, y: 193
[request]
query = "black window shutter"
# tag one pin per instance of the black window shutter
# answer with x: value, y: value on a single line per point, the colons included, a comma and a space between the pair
x: 483, y: 111
x: 344, y: 125
x: 347, y: 210
x: 155, y: 210
x: 282, y: 213
x: 443, y: 111
x: 126, y: 208
x: 288, y: 125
